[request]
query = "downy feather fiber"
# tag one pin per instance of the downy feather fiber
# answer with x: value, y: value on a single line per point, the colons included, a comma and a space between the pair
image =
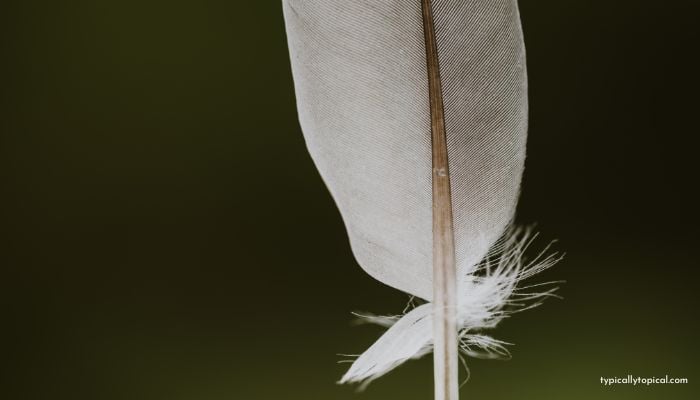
x: 359, y: 70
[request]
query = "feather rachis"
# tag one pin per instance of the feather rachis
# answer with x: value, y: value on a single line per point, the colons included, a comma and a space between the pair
x: 445, y: 354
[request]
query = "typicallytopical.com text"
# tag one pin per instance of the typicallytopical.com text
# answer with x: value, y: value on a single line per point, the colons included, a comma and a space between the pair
x: 641, y: 380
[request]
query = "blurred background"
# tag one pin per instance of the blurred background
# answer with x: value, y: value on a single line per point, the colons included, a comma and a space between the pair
x: 164, y: 234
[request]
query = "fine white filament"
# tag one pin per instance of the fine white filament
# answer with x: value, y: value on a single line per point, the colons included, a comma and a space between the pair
x: 485, y: 297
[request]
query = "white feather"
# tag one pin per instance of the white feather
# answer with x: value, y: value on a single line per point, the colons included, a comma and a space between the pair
x: 363, y: 95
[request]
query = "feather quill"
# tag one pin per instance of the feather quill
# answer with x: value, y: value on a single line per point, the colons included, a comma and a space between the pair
x: 415, y: 114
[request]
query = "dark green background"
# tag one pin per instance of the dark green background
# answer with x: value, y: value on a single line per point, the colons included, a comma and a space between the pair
x: 166, y: 236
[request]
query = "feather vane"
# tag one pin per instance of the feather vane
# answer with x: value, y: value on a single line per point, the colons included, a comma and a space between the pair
x: 376, y: 81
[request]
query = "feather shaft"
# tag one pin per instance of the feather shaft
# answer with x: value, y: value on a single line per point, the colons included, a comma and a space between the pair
x: 445, y: 356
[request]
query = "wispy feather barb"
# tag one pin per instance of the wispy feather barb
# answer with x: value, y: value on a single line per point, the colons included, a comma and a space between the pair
x: 486, y: 296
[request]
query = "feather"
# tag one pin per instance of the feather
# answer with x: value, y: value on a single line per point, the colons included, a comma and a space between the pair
x: 415, y: 114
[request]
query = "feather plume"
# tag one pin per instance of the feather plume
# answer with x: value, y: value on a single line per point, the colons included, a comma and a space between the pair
x: 415, y: 114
